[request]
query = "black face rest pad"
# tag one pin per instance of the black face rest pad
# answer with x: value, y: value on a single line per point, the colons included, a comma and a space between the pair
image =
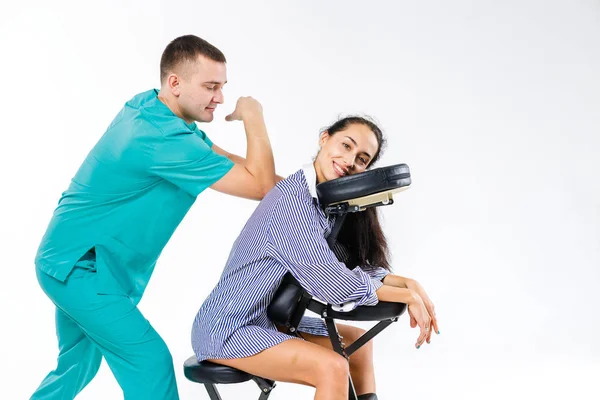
x: 363, y: 184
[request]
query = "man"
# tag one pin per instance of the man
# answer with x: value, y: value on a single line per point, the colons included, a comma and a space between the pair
x: 120, y: 210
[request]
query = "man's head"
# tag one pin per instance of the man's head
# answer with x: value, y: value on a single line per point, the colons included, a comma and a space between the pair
x: 192, y: 75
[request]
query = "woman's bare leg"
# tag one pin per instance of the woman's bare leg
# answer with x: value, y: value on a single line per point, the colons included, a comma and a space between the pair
x: 299, y: 361
x: 361, y: 362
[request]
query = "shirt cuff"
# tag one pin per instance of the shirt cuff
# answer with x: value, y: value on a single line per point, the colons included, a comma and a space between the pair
x: 368, y: 299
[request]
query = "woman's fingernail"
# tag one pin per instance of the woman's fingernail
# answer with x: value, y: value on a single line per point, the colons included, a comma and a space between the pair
x: 418, y: 347
x: 438, y: 332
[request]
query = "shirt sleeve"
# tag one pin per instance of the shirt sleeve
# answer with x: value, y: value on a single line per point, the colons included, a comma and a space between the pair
x: 376, y: 273
x: 187, y: 160
x: 342, y: 254
x: 296, y: 240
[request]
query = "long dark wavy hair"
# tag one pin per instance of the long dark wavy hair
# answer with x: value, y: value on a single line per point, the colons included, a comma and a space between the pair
x: 361, y: 232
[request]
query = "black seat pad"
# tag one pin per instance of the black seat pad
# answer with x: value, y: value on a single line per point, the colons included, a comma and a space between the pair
x: 363, y: 184
x: 208, y: 372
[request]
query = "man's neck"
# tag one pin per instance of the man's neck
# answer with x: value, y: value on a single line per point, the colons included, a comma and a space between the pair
x: 170, y: 102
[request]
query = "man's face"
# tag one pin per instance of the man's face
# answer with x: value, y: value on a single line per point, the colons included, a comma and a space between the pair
x: 200, y: 89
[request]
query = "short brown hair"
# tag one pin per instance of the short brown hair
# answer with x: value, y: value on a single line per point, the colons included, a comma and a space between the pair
x: 187, y: 48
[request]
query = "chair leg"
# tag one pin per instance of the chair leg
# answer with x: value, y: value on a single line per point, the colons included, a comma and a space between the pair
x: 266, y: 387
x: 213, y: 393
x: 264, y: 395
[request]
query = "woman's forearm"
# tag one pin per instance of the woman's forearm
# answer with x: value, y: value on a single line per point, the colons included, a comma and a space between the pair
x: 396, y: 294
x: 396, y: 280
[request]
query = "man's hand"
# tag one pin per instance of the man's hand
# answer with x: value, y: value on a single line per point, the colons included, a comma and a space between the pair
x: 246, y: 107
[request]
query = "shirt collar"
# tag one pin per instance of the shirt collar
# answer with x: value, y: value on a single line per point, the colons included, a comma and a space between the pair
x: 311, y: 179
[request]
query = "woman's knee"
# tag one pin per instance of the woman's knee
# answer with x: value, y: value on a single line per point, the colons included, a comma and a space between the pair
x: 364, y: 355
x: 332, y: 367
x: 352, y: 334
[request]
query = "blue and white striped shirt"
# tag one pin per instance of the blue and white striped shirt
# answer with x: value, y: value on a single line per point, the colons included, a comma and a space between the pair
x: 286, y: 233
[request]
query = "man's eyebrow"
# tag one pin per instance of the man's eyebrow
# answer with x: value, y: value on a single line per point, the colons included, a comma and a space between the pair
x: 216, y: 82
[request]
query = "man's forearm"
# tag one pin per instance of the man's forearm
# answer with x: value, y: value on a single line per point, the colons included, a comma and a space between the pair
x: 259, y: 154
x: 242, y: 161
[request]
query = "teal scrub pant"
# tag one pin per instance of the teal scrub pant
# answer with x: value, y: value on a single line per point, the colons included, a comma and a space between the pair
x: 90, y: 326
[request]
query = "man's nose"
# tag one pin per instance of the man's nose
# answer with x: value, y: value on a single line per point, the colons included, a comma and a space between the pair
x: 218, y: 97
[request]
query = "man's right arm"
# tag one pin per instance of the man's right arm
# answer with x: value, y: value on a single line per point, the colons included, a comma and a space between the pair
x: 253, y: 176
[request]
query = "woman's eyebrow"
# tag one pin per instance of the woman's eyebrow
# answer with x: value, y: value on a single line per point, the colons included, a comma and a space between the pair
x: 354, y: 141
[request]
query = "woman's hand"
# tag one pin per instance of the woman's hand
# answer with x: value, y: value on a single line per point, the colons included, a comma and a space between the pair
x: 417, y: 306
x: 419, y: 316
x: 418, y: 289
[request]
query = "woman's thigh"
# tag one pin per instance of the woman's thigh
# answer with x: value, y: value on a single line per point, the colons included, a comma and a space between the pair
x: 348, y: 333
x: 294, y: 361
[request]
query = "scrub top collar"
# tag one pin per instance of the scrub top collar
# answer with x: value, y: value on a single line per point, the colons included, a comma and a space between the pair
x: 165, y: 110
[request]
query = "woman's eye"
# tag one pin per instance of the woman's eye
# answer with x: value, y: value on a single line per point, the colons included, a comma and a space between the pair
x: 362, y: 160
x: 347, y: 146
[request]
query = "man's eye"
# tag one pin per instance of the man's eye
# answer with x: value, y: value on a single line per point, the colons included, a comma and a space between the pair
x: 362, y: 160
x: 211, y: 88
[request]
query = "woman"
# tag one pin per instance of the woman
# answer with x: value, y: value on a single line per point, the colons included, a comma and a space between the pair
x: 287, y: 233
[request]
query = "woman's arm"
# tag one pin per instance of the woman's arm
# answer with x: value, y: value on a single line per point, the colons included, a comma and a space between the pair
x: 414, y: 287
x: 396, y: 280
x: 417, y: 310
x: 297, y: 242
x: 394, y: 294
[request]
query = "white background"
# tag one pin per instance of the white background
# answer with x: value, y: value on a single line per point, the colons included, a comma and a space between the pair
x: 495, y: 106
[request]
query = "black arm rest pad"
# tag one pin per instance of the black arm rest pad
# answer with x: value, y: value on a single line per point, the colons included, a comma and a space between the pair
x: 288, y: 296
x: 379, y: 312
x: 369, y: 182
x: 285, y: 302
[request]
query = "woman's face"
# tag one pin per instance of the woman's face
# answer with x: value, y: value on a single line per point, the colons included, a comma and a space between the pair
x: 346, y: 152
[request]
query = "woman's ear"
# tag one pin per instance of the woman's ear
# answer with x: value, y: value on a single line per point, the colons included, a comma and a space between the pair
x: 323, y: 138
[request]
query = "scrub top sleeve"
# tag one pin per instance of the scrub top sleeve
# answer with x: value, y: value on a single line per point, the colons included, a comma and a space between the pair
x: 187, y: 161
x: 204, y: 137
x: 296, y: 240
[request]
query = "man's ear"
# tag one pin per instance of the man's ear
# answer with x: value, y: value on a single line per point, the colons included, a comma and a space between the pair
x: 173, y: 84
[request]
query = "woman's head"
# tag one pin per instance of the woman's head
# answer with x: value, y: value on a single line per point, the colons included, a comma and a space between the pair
x: 349, y: 146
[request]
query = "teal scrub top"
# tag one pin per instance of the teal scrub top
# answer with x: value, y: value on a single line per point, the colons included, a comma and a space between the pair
x: 129, y: 195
